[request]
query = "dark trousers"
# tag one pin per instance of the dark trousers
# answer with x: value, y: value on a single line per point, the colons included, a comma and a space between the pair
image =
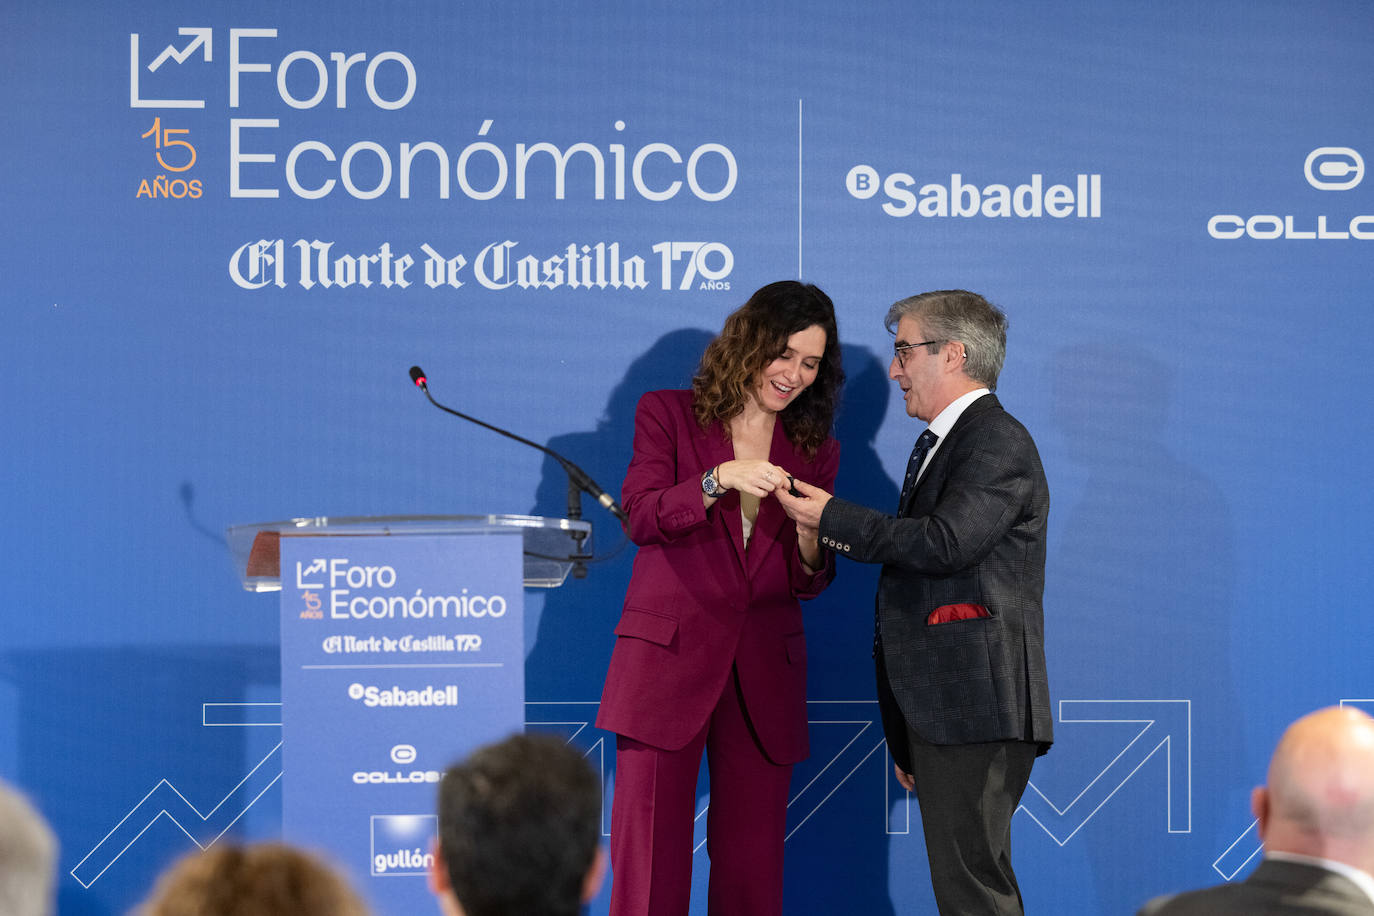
x: 967, y: 794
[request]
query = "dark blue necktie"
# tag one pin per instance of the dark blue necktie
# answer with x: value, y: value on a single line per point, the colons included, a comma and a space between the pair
x: 924, y: 443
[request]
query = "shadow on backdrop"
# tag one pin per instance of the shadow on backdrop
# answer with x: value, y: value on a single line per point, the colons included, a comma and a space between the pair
x: 1139, y: 607
x: 186, y: 495
x: 573, y: 646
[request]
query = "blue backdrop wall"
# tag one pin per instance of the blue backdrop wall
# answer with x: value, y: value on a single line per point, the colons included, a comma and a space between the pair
x: 230, y: 228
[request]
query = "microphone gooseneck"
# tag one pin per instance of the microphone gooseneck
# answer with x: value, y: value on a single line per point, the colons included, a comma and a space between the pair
x: 577, y: 477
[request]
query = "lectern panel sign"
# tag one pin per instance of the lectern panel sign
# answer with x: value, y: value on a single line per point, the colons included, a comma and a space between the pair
x: 399, y: 655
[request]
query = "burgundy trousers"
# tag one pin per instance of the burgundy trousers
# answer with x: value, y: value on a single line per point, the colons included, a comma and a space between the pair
x: 653, y: 813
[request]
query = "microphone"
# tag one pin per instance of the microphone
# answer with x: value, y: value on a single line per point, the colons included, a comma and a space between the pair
x: 577, y: 478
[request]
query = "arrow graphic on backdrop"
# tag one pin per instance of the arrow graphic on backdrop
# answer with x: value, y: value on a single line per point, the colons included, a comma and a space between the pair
x: 853, y: 725
x: 201, y: 39
x: 1246, y: 846
x: 203, y: 36
x: 557, y: 717
x: 1166, y: 725
x: 164, y: 800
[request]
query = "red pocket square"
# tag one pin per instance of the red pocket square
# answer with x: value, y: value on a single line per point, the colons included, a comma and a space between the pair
x: 951, y: 612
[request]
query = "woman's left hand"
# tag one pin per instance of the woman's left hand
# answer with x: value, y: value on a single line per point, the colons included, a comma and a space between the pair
x: 751, y: 475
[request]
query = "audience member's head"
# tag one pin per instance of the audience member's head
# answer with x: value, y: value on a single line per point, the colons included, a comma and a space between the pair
x: 28, y: 857
x: 1316, y: 819
x: 1319, y: 800
x: 519, y: 831
x: 265, y: 879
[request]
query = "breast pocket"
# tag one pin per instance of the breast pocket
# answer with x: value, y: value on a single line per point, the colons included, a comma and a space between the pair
x: 949, y: 613
x: 650, y: 626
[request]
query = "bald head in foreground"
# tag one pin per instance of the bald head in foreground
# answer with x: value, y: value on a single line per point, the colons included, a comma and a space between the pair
x: 1316, y: 819
x: 28, y: 857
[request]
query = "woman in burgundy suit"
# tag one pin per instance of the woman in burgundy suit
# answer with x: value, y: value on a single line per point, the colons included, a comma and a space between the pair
x: 710, y: 653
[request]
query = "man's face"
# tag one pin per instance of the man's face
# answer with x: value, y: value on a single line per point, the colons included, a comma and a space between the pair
x: 918, y: 371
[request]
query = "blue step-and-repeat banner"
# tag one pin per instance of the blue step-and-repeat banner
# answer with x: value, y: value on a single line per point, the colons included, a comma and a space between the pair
x: 230, y: 228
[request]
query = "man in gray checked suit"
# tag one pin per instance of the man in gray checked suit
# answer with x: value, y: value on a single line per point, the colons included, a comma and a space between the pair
x: 959, y: 641
x: 1316, y: 819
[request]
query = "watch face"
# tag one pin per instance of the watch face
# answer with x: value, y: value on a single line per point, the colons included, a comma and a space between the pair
x: 708, y: 483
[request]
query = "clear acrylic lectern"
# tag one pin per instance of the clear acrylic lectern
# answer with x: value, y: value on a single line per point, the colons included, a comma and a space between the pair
x: 553, y: 546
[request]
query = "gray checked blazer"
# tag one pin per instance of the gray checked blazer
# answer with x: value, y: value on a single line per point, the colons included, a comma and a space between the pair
x: 972, y: 533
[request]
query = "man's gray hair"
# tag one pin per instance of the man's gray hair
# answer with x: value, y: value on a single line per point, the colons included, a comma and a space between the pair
x: 28, y: 857
x: 957, y: 314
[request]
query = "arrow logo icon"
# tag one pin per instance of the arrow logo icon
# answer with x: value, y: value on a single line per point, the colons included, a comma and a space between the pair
x: 202, y: 37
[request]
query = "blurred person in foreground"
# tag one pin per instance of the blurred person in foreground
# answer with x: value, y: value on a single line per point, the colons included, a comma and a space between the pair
x: 28, y: 857
x: 710, y: 653
x: 1316, y: 820
x: 519, y: 831
x: 261, y: 879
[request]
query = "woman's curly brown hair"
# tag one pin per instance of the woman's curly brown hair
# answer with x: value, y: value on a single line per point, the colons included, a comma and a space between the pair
x: 755, y: 335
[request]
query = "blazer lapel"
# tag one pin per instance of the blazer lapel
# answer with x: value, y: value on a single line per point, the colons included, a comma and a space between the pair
x: 936, y: 468
x: 716, y: 449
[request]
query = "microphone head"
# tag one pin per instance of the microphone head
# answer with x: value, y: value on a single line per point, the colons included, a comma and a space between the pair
x: 417, y: 375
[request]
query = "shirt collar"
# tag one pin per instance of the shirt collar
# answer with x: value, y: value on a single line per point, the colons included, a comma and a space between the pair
x: 944, y: 421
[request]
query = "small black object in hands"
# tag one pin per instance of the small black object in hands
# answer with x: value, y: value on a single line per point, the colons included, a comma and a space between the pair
x: 792, y: 486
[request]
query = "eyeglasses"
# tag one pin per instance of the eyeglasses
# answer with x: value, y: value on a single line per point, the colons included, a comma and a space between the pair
x: 901, y: 351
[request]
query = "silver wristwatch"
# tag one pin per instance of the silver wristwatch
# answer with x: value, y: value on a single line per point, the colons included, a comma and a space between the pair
x: 710, y: 485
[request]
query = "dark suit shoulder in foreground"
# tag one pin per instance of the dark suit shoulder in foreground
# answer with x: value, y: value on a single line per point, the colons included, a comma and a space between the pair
x: 1276, y: 888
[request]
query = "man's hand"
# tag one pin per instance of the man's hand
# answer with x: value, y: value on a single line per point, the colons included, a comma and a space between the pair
x: 906, y: 779
x: 806, y: 509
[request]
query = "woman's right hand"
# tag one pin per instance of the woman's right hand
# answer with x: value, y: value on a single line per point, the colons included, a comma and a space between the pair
x: 751, y: 475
